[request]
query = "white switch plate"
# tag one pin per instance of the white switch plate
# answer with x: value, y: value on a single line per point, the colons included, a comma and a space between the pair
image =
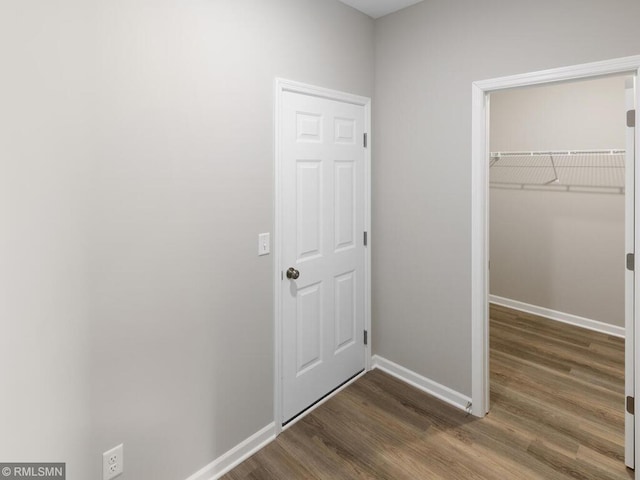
x: 264, y: 244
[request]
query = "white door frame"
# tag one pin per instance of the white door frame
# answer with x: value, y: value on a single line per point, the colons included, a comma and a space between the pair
x: 282, y: 86
x: 629, y: 278
x: 479, y: 211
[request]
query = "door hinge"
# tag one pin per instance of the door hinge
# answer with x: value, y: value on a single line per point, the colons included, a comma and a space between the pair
x: 364, y: 140
x: 631, y: 405
x: 631, y: 118
x: 631, y: 261
x: 365, y: 239
x: 366, y: 337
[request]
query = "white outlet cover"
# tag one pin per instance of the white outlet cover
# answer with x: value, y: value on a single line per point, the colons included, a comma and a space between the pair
x: 113, y: 462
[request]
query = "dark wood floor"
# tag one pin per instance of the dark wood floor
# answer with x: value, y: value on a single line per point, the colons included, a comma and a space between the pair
x: 556, y: 413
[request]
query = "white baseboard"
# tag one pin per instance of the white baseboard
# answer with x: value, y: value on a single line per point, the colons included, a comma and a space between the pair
x: 236, y: 455
x: 594, y: 325
x: 258, y: 440
x: 435, y: 389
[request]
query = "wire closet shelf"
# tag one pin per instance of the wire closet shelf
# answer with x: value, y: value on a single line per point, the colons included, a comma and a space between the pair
x: 588, y: 171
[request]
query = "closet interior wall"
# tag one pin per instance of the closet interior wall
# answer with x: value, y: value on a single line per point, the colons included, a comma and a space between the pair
x: 556, y: 198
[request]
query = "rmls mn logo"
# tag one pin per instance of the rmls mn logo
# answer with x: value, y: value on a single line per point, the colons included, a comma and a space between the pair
x: 32, y: 471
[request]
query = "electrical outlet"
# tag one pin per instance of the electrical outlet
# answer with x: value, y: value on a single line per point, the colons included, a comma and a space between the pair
x: 113, y: 462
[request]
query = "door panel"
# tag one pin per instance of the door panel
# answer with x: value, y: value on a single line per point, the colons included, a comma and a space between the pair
x: 309, y: 328
x: 345, y: 311
x: 345, y: 202
x: 309, y: 208
x: 323, y: 218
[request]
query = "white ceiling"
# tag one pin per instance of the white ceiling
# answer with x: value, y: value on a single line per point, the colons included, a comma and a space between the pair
x: 379, y: 8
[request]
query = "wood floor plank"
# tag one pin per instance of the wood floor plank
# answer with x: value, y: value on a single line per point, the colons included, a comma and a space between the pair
x: 502, y: 366
x: 569, y: 355
x: 559, y: 393
x: 557, y: 413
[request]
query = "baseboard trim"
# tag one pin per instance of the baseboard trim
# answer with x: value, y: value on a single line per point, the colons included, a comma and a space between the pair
x: 236, y: 455
x: 587, y: 323
x: 260, y: 439
x: 435, y: 389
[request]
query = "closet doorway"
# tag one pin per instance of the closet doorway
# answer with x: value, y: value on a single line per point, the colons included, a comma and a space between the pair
x: 557, y: 248
x: 480, y: 214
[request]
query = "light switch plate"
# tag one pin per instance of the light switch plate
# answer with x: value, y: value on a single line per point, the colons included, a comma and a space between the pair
x: 264, y: 244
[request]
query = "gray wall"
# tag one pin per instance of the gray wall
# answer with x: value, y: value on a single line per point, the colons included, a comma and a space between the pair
x: 427, y: 56
x: 559, y: 250
x: 562, y: 251
x: 583, y: 115
x: 136, y: 159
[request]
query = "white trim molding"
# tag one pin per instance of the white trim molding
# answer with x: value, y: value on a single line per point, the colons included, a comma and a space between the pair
x: 479, y: 208
x: 236, y: 455
x: 282, y: 86
x: 568, y: 318
x: 427, y: 385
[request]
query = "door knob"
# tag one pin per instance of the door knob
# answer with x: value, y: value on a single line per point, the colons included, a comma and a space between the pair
x: 293, y: 273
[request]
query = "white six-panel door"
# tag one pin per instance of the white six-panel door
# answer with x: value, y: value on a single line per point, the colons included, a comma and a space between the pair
x: 322, y: 229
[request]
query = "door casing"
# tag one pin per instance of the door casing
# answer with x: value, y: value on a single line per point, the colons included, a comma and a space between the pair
x: 479, y: 214
x: 629, y: 293
x: 281, y: 86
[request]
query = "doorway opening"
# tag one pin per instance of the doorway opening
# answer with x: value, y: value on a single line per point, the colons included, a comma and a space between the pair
x: 480, y: 216
x: 557, y: 246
